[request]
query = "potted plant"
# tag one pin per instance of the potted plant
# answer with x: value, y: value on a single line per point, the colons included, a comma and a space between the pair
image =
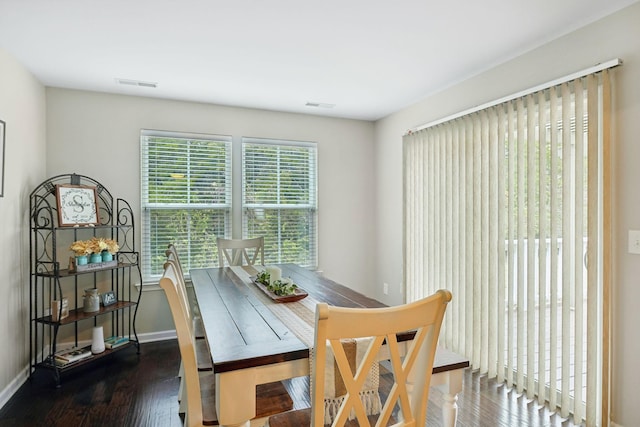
x: 98, y: 249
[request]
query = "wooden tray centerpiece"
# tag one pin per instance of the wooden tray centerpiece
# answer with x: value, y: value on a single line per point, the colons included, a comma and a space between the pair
x: 281, y: 290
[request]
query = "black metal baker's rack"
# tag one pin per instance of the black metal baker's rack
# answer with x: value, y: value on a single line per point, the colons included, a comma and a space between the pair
x: 51, y: 277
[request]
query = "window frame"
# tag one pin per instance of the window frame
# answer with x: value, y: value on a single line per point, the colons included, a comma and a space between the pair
x: 146, y: 207
x: 311, y: 261
x: 234, y: 207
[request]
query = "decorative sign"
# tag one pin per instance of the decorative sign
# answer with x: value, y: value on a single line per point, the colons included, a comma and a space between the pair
x: 109, y: 298
x: 77, y: 205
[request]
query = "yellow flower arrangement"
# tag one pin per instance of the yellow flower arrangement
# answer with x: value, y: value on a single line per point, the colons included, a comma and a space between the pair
x: 101, y: 244
x: 94, y: 246
x: 112, y: 246
x: 81, y: 247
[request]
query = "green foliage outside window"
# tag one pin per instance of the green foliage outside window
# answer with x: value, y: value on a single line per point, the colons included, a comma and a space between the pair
x: 188, y: 199
x: 279, y: 200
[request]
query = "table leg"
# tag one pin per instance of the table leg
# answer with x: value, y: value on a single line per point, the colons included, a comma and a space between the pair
x: 450, y: 410
x: 235, y: 398
x: 450, y: 383
x: 236, y: 390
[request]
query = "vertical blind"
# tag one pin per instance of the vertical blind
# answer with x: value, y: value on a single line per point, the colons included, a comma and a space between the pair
x: 506, y: 207
x: 186, y: 197
x: 279, y: 198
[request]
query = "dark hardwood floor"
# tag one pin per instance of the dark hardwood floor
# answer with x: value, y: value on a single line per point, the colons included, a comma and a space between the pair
x: 141, y: 391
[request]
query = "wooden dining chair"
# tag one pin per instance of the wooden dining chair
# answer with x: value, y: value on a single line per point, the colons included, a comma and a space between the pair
x: 203, y: 358
x: 198, y: 328
x: 201, y: 348
x: 240, y: 251
x: 199, y: 386
x: 406, y: 403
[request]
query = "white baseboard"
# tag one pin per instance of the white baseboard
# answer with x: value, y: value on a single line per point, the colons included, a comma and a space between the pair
x: 23, y: 376
x: 158, y: 336
x: 13, y: 387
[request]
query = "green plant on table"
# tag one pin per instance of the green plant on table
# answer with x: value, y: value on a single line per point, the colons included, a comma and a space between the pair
x: 263, y: 277
x: 282, y: 287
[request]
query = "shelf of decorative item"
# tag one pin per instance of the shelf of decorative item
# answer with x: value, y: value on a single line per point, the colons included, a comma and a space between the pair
x: 48, y: 364
x: 66, y: 272
x: 79, y: 314
x: 96, y: 266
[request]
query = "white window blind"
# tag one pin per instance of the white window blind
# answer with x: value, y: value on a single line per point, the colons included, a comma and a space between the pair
x: 507, y: 207
x: 186, y: 197
x: 279, y: 198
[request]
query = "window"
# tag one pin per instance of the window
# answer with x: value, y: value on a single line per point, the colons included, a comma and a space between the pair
x: 186, y: 197
x: 187, y: 189
x: 279, y: 199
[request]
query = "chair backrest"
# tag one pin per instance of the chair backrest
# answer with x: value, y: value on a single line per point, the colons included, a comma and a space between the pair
x: 411, y: 369
x: 172, y: 255
x: 177, y: 304
x: 239, y: 251
x: 192, y: 308
x: 181, y: 288
x: 174, y: 259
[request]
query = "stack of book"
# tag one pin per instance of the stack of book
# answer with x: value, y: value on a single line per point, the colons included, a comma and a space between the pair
x: 115, y: 342
x: 66, y: 357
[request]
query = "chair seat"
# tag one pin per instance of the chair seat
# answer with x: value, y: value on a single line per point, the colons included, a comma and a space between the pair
x: 271, y: 399
x: 203, y: 356
x: 198, y: 328
x: 302, y: 417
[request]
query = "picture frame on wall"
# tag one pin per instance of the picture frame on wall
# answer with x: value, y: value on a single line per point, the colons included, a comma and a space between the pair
x: 77, y: 205
x: 3, y: 127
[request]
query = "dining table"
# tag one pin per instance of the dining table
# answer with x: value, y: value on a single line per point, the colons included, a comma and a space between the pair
x: 254, y: 339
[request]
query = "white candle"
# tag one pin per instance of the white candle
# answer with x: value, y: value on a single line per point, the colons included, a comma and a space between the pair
x: 274, y: 273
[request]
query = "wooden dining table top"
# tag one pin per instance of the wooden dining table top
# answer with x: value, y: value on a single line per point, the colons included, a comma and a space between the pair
x: 242, y: 332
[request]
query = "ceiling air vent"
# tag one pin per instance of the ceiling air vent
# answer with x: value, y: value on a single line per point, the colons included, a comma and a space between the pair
x: 319, y: 104
x: 136, y: 83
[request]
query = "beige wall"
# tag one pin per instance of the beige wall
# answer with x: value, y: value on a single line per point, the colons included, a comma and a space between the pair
x: 360, y: 226
x: 22, y: 107
x: 98, y: 135
x: 615, y: 36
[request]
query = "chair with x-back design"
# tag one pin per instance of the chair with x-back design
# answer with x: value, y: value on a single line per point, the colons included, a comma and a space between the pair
x: 240, y: 251
x: 411, y: 362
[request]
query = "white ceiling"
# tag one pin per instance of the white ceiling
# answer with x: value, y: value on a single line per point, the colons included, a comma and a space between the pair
x: 368, y: 57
